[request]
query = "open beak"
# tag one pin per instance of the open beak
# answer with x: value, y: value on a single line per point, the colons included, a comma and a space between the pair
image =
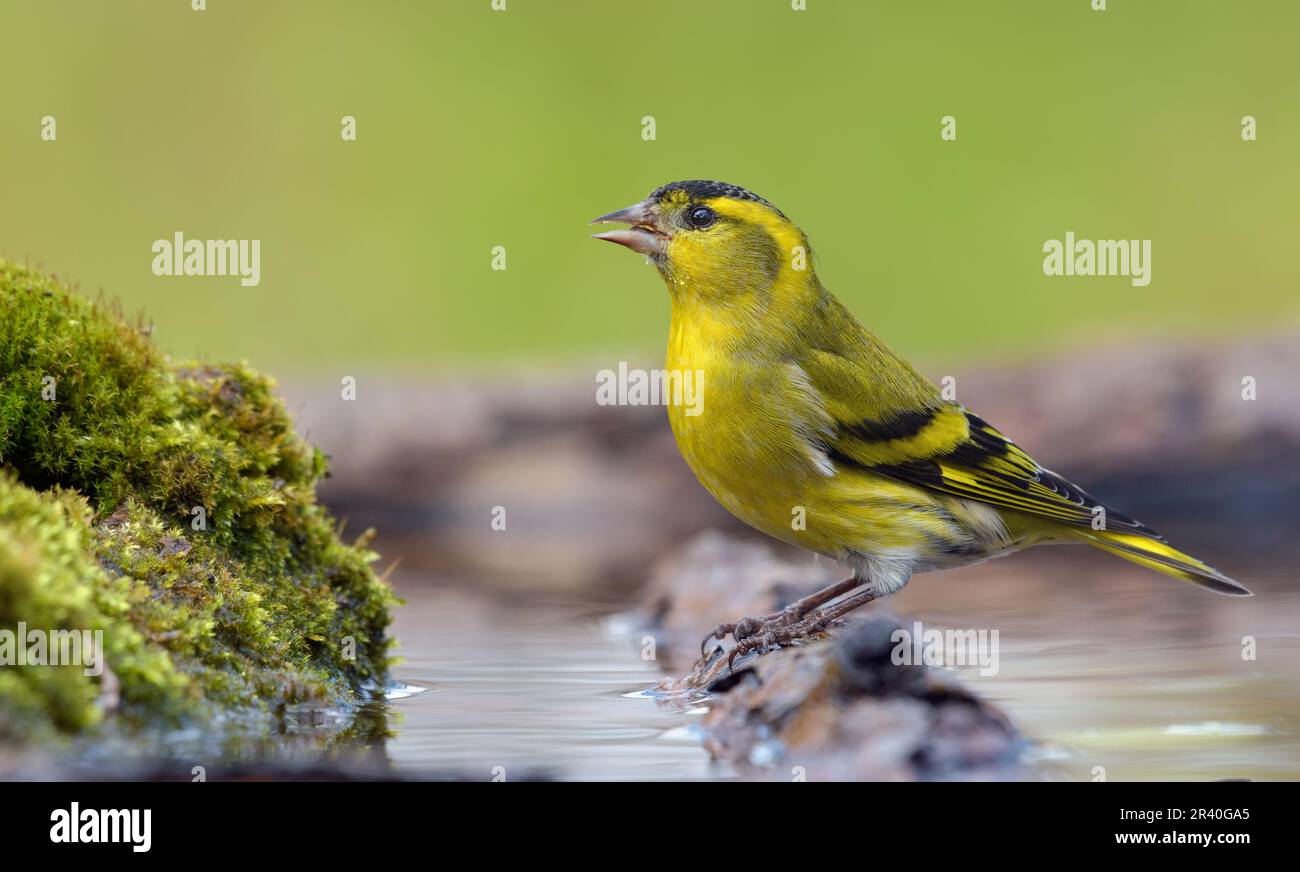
x: 643, y: 236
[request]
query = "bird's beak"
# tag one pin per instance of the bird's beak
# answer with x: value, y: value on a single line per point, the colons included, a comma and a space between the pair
x: 643, y: 236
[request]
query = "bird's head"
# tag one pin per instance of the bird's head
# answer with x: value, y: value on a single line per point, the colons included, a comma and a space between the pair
x: 713, y: 239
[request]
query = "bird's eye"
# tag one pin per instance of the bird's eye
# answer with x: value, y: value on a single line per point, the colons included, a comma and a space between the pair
x: 701, y: 217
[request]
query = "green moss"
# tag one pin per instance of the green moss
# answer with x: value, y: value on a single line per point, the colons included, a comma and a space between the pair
x: 174, y: 508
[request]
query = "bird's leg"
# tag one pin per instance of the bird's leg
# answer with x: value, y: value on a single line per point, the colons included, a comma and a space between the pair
x: 747, y: 627
x: 814, y: 623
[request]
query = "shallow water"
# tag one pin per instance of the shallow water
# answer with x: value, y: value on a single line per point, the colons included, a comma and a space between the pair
x: 1112, y: 673
x: 529, y: 690
x: 1134, y: 677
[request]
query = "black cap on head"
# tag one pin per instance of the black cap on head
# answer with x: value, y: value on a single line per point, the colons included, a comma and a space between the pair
x: 705, y: 189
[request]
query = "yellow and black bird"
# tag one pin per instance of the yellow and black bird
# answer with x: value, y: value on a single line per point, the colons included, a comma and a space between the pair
x: 807, y: 414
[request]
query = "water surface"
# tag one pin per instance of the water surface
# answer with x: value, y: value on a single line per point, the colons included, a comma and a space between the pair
x: 532, y: 689
x: 1113, y: 673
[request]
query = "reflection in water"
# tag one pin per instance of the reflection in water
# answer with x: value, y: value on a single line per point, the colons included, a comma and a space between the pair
x: 1109, y: 670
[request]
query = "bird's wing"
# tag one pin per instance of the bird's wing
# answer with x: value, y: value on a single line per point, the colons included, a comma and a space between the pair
x: 939, y: 445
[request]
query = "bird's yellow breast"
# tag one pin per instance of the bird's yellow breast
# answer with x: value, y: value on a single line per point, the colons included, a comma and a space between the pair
x: 749, y: 444
x: 757, y: 446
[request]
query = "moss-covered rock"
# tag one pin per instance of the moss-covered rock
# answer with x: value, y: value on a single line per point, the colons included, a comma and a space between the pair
x: 173, y: 508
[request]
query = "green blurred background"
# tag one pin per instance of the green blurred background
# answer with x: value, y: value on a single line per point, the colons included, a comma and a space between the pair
x: 479, y: 128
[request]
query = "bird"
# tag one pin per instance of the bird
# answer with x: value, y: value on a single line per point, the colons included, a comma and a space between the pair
x: 813, y: 431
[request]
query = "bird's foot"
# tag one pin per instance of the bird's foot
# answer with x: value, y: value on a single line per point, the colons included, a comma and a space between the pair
x: 800, y: 620
x: 777, y: 635
x: 747, y: 628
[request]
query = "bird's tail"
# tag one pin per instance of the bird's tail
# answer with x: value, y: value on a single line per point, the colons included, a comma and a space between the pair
x: 1162, y: 557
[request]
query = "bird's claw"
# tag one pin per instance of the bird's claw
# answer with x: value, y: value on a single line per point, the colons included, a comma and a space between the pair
x: 775, y: 637
x: 747, y: 628
x: 751, y: 643
x: 718, y: 633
